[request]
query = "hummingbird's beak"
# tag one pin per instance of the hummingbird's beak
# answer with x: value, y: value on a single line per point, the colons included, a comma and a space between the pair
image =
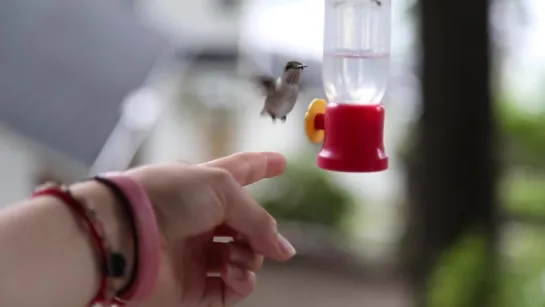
x: 301, y: 66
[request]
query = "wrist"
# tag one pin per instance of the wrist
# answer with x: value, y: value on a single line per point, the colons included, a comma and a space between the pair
x: 115, y: 223
x: 146, y: 231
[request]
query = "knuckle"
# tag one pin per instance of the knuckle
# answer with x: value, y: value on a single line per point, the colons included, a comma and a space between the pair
x: 222, y: 184
x: 241, y: 155
x: 268, y: 222
x: 222, y: 176
x: 252, y: 163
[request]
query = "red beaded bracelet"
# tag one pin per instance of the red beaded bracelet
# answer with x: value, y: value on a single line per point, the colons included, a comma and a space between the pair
x: 112, y: 265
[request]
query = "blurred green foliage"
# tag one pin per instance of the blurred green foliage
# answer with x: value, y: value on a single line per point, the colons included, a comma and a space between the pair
x: 523, y: 137
x: 523, y: 155
x: 461, y: 274
x: 459, y: 277
x: 307, y: 194
x: 523, y: 195
x: 523, y: 267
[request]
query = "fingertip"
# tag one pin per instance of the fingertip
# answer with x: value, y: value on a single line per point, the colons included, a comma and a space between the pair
x: 286, y: 249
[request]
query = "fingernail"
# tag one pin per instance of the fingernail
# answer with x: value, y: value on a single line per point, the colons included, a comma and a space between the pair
x: 285, y: 246
x: 236, y: 272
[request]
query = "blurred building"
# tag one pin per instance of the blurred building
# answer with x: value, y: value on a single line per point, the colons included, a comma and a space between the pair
x: 68, y: 69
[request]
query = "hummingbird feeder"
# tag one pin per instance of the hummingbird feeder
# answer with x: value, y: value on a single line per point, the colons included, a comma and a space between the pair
x: 355, y: 69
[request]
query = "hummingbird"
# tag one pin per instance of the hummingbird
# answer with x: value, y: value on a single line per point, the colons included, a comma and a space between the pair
x: 281, y: 92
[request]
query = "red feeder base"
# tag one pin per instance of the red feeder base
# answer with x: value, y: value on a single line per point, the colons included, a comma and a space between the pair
x: 353, y: 139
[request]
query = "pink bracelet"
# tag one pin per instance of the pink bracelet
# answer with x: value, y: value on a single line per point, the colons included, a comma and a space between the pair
x: 148, y: 236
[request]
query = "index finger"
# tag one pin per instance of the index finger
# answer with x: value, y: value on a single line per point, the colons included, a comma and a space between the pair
x: 250, y: 167
x: 246, y: 217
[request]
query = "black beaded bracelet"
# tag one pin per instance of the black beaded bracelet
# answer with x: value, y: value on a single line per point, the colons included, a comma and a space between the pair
x: 122, y: 199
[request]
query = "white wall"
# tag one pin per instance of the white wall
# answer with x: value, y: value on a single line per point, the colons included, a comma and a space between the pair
x: 198, y: 19
x: 17, y: 167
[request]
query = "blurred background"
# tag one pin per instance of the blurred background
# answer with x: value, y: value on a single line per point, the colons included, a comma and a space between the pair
x: 456, y: 220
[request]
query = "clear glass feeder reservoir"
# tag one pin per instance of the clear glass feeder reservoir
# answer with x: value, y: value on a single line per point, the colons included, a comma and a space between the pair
x: 356, y: 58
x: 355, y: 71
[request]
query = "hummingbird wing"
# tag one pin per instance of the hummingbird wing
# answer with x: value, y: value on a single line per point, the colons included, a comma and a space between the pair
x: 266, y: 83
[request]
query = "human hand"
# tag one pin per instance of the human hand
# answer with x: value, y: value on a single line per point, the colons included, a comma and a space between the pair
x: 191, y: 204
